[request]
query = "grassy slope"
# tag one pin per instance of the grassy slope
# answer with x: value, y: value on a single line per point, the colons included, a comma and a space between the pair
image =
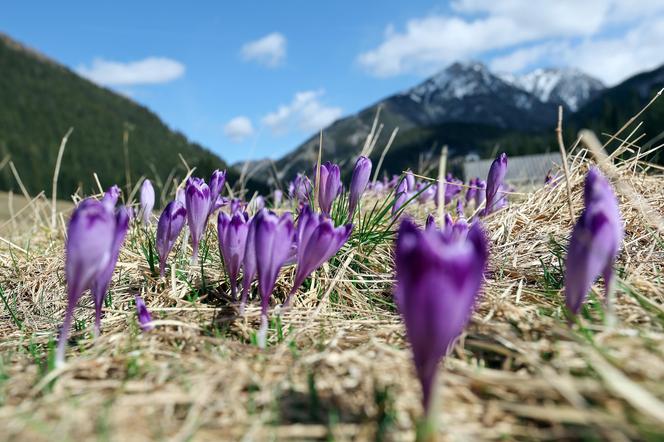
x: 41, y: 100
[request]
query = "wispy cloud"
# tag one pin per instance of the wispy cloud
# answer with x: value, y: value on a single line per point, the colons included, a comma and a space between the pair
x: 269, y: 51
x: 516, y: 34
x: 239, y: 129
x: 305, y: 113
x: 151, y: 70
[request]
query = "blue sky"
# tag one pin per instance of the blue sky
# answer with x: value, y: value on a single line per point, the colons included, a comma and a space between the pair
x: 254, y: 79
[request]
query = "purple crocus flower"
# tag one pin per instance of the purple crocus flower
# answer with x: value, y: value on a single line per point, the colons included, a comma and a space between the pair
x: 358, y: 183
x: 147, y: 201
x: 400, y: 196
x: 90, y: 236
x: 103, y: 280
x: 438, y: 280
x: 494, y: 181
x: 471, y: 193
x: 144, y: 317
x: 410, y: 180
x: 427, y: 192
x: 594, y: 243
x: 256, y: 204
x: 180, y: 195
x: 110, y: 198
x: 273, y: 242
x: 217, y: 181
x: 198, y: 205
x: 481, y: 192
x: 317, y: 241
x: 300, y: 188
x: 170, y: 224
x: 453, y: 187
x: 329, y: 186
x: 459, y: 208
x: 232, y: 233
x: 277, y: 197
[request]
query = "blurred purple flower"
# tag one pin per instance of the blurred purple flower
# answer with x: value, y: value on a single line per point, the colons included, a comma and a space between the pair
x: 300, y: 188
x: 438, y: 281
x: 90, y: 236
x: 256, y: 204
x: 277, y: 198
x: 198, y: 206
x: 358, y: 183
x: 494, y: 183
x: 471, y: 193
x: 274, y: 239
x: 329, y: 186
x: 147, y: 201
x: 180, y: 195
x: 170, y: 224
x: 400, y: 197
x: 217, y: 181
x: 237, y: 205
x: 410, y: 180
x: 594, y: 243
x: 232, y: 233
x: 103, y: 280
x: 453, y: 187
x: 110, y: 198
x: 144, y: 317
x: 317, y: 241
x: 427, y: 192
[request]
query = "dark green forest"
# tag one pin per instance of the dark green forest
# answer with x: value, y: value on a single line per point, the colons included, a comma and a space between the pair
x: 40, y: 100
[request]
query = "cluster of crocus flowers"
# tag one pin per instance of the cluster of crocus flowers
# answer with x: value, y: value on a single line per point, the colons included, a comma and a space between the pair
x: 594, y: 243
x: 317, y: 241
x: 439, y: 275
x: 94, y: 236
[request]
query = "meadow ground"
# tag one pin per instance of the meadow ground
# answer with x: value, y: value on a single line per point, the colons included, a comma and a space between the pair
x: 337, y: 366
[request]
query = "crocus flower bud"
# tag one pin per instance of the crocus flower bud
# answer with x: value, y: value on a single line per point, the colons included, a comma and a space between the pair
x: 90, y: 235
x: 317, y: 241
x: 180, y: 196
x: 300, y: 188
x: 494, y: 182
x: 198, y: 205
x: 410, y: 180
x: 274, y: 238
x: 103, y: 280
x: 594, y: 243
x: 481, y: 192
x: 144, y: 317
x: 256, y: 204
x: 358, y: 183
x: 147, y: 201
x: 170, y: 224
x: 427, y: 192
x: 471, y: 193
x: 330, y: 186
x: 232, y: 234
x: 400, y: 196
x: 452, y: 187
x: 110, y: 198
x: 438, y: 281
x: 277, y: 197
x: 217, y: 181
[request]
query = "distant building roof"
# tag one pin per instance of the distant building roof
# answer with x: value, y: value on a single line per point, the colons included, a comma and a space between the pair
x: 526, y: 168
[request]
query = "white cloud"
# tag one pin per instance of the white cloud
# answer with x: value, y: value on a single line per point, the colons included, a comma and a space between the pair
x: 305, y: 113
x: 269, y: 51
x: 239, y: 129
x: 151, y: 70
x: 606, y: 38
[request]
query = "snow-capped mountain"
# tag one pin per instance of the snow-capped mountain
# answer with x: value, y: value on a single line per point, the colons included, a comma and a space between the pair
x: 470, y: 92
x: 566, y: 86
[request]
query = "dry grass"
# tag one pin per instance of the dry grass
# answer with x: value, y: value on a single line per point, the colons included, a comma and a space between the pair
x: 342, y: 370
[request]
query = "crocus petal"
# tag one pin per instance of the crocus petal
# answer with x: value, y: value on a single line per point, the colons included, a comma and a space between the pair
x: 494, y: 181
